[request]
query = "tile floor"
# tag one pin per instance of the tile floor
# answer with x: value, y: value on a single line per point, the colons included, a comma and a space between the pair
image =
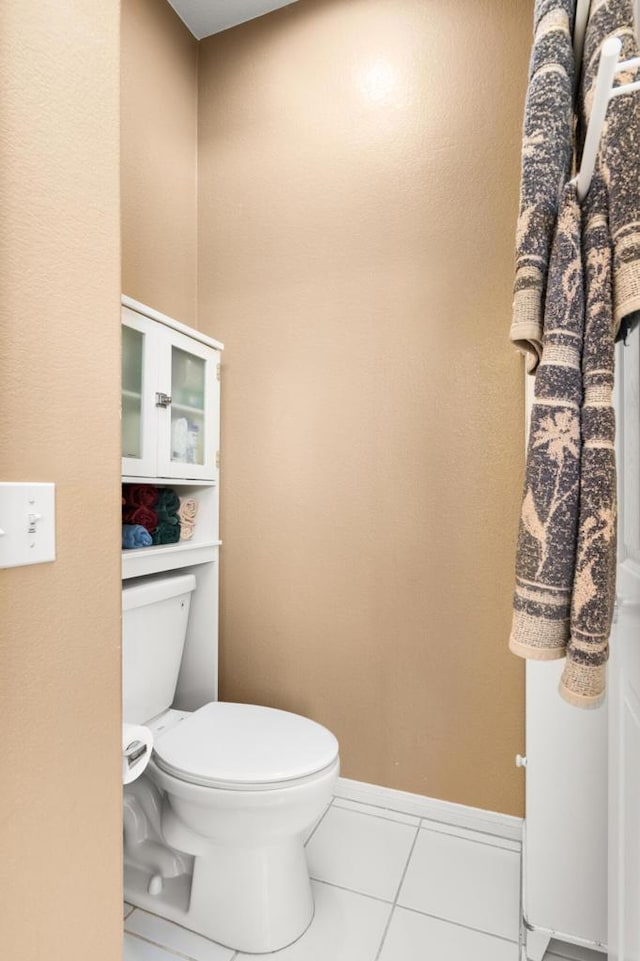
x: 388, y: 887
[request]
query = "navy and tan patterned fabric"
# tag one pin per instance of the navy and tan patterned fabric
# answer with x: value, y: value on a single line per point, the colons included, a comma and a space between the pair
x: 583, y: 679
x: 566, y: 560
x: 549, y: 518
x: 619, y: 154
x: 565, y: 569
x: 547, y: 151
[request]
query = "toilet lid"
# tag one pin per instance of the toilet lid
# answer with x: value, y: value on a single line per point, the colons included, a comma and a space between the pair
x: 243, y: 744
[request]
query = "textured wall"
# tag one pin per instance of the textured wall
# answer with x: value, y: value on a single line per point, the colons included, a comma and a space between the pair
x: 61, y: 803
x: 358, y: 167
x: 159, y: 137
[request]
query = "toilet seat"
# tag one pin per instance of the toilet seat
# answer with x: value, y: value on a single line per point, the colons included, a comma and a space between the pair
x: 244, y: 746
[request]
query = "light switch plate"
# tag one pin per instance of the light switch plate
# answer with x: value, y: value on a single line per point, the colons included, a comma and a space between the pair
x: 27, y: 524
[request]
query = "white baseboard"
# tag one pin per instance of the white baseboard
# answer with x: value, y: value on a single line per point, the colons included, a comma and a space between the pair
x: 503, y: 826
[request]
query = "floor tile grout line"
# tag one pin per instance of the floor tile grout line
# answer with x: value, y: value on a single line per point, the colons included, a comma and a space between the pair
x: 398, y: 889
x: 458, y: 924
x: 406, y: 866
x: 328, y: 808
x: 376, y: 817
x: 172, y: 952
x: 362, y: 894
x: 426, y: 914
x: 486, y: 844
x: 380, y: 817
x: 181, y: 927
x: 430, y: 824
x: 380, y: 807
x: 427, y: 820
x: 385, y: 932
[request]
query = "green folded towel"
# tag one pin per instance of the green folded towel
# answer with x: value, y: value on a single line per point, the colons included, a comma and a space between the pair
x: 168, y: 529
x: 167, y: 517
x: 166, y: 532
x: 168, y: 501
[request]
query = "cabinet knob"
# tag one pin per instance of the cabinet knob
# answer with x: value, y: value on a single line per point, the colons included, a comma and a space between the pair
x: 163, y: 400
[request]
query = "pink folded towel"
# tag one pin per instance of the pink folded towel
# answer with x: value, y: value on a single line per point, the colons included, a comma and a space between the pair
x: 187, y: 514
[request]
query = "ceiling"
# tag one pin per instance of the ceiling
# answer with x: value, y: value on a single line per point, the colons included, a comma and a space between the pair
x: 204, y: 17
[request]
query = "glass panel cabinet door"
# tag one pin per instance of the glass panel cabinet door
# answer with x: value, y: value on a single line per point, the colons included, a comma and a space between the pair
x: 188, y: 425
x: 188, y: 419
x: 132, y: 350
x: 138, y: 444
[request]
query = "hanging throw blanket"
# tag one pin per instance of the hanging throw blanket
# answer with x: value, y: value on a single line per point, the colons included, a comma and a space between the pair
x: 583, y: 679
x: 611, y: 255
x: 565, y: 568
x: 547, y: 151
x: 549, y: 519
x: 619, y: 155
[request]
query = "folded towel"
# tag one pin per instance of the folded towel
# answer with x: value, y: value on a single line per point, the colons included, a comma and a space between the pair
x: 166, y: 533
x: 168, y: 501
x: 186, y: 531
x: 135, y: 535
x: 167, y: 517
x: 140, y: 515
x: 141, y: 495
x: 188, y: 510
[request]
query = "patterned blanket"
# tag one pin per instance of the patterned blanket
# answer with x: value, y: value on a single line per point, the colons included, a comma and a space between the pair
x: 547, y: 150
x: 549, y: 519
x: 619, y: 155
x: 565, y: 567
x: 583, y: 679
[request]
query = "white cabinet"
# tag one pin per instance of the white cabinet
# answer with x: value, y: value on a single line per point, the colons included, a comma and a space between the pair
x: 170, y: 400
x: 171, y: 428
x: 170, y: 438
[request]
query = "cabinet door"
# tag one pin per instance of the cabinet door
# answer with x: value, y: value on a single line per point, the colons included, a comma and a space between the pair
x: 139, y: 443
x: 188, y: 426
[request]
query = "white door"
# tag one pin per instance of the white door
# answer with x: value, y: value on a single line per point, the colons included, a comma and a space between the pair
x: 138, y: 399
x: 188, y: 427
x: 624, y: 675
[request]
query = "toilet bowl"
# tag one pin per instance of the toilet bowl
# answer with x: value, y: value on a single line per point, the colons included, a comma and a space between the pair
x: 243, y: 785
x: 232, y: 790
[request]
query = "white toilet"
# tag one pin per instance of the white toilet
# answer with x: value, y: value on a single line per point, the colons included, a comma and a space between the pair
x: 215, y: 829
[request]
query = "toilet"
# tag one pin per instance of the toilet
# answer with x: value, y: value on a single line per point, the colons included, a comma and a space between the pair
x: 215, y: 827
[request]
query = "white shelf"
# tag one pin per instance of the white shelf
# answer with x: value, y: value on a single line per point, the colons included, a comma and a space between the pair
x: 167, y: 557
x: 168, y: 482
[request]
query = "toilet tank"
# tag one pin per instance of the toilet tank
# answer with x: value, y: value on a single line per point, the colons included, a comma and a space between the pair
x: 155, y: 612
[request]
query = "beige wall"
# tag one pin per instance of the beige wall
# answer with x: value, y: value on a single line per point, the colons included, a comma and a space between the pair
x: 159, y: 139
x: 60, y: 802
x: 358, y: 172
